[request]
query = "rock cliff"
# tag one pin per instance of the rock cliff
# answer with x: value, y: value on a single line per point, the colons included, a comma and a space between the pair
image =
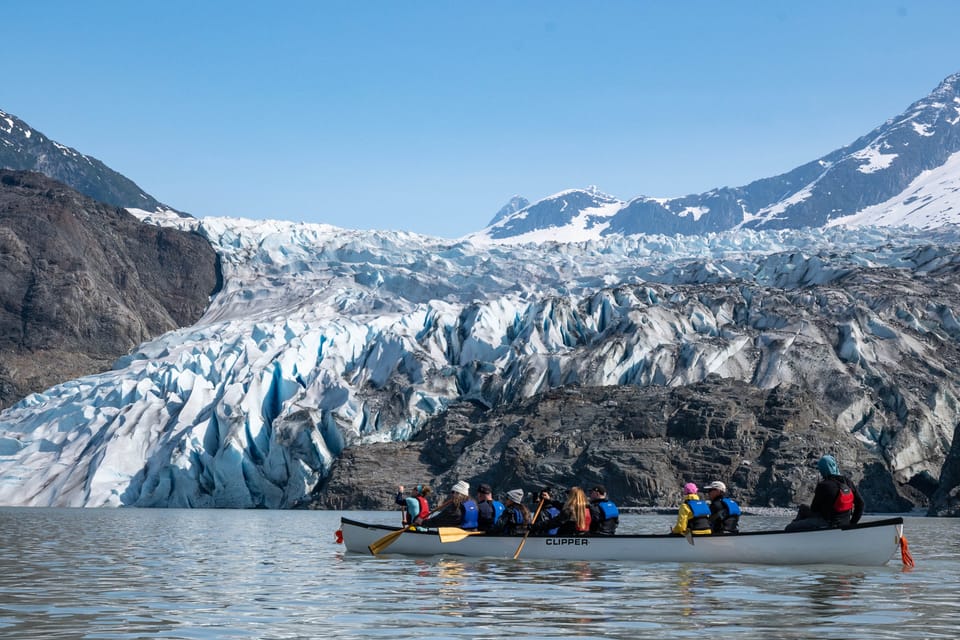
x: 82, y: 282
x: 643, y: 443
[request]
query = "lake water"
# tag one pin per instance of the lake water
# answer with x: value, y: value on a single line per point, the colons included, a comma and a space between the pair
x: 130, y: 573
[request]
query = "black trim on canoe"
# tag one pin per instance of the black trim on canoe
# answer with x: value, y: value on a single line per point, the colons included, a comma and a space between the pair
x: 853, y: 527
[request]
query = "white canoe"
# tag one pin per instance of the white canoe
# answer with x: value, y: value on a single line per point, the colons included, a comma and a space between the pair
x: 866, y: 544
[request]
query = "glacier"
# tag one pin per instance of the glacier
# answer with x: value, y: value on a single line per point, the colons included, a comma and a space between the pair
x: 323, y: 338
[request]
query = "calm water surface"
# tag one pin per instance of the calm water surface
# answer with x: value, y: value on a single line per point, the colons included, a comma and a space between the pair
x: 127, y: 573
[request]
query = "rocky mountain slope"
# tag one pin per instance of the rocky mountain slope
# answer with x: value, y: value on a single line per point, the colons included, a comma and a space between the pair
x: 26, y: 149
x: 81, y: 283
x: 643, y: 443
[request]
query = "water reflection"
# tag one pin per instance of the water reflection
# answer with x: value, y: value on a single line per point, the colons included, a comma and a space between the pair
x: 181, y: 574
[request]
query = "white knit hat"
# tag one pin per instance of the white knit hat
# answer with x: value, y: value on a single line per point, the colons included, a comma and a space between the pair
x: 516, y: 495
x: 461, y: 487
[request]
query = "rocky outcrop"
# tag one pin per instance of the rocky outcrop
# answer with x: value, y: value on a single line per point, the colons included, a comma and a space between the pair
x: 946, y: 500
x: 82, y: 282
x: 643, y: 443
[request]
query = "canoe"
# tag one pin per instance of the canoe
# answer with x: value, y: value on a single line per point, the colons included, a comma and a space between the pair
x: 865, y: 544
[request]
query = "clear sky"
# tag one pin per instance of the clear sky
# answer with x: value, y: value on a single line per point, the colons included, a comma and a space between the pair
x: 428, y: 116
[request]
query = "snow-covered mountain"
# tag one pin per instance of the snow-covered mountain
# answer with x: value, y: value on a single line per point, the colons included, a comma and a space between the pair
x: 323, y: 337
x: 904, y: 172
x: 23, y: 148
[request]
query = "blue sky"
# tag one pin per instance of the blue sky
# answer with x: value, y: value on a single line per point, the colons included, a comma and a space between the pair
x: 428, y: 116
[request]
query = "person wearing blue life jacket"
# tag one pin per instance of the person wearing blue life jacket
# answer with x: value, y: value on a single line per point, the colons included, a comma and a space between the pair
x: 836, y: 501
x: 550, y: 510
x: 604, y: 515
x: 459, y: 510
x: 488, y: 509
x: 693, y: 515
x: 724, y: 511
x: 515, y: 520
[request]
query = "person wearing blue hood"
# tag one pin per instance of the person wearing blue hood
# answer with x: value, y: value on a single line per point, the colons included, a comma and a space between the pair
x: 836, y: 501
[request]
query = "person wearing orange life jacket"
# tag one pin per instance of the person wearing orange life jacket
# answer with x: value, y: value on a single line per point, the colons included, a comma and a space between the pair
x: 693, y: 515
x: 836, y: 501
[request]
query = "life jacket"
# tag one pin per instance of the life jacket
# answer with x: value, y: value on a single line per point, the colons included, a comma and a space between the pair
x: 470, y: 515
x: 497, y: 509
x: 608, y: 510
x: 844, y: 500
x: 608, y: 517
x: 700, y: 520
x: 732, y: 507
x: 731, y: 524
x: 424, y: 507
x: 552, y: 512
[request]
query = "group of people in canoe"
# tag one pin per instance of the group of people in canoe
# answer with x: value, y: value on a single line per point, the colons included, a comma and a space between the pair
x: 836, y: 502
x: 579, y: 514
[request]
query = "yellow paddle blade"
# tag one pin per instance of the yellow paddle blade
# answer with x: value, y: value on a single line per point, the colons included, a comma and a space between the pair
x: 377, y: 547
x: 455, y: 534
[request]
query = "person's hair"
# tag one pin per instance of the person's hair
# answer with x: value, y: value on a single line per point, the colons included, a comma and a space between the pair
x: 425, y: 491
x: 576, y: 506
x: 527, y: 517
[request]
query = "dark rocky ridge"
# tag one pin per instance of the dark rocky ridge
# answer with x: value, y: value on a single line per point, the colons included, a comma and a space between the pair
x: 23, y: 148
x: 641, y: 442
x: 82, y: 282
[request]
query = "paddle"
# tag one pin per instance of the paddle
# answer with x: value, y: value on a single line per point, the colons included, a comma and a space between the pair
x: 455, y: 534
x: 532, y: 522
x: 689, y: 536
x: 378, y: 546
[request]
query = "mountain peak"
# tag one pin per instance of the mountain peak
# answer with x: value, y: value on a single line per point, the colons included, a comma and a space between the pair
x: 23, y: 148
x: 902, y: 173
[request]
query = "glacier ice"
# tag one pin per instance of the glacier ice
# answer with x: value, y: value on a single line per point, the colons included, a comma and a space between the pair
x: 324, y: 337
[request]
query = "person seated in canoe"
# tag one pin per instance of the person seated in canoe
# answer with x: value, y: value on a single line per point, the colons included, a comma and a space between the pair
x: 574, y: 517
x: 550, y: 509
x: 604, y: 515
x: 693, y: 515
x: 488, y: 509
x: 415, y: 505
x: 516, y: 517
x: 836, y: 501
x: 724, y: 511
x: 459, y: 510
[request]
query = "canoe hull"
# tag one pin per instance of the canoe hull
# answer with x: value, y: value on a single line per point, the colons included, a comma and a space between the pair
x: 868, y: 544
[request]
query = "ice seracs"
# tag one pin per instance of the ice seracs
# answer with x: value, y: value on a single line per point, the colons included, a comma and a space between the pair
x: 323, y: 337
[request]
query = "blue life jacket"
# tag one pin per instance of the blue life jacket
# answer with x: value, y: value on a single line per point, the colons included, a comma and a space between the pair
x: 497, y: 509
x: 470, y: 515
x: 701, y: 515
x: 732, y: 507
x: 552, y: 512
x: 608, y: 510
